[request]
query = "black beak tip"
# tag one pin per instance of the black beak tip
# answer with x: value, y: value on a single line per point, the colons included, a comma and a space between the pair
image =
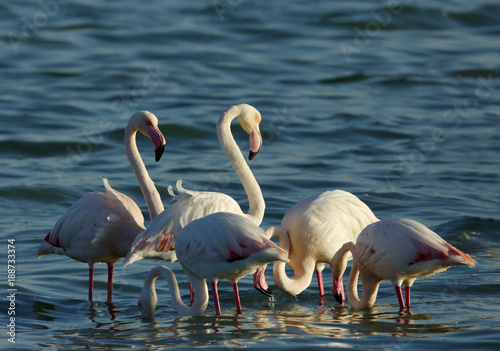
x: 266, y: 292
x: 159, y: 152
x: 252, y: 155
x: 338, y: 298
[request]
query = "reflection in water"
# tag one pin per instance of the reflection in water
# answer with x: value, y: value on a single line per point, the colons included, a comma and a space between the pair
x: 291, y: 322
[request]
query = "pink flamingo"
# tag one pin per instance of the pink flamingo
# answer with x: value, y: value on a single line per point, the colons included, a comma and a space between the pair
x: 158, y: 241
x: 218, y: 246
x: 400, y: 250
x: 100, y: 227
x: 311, y: 232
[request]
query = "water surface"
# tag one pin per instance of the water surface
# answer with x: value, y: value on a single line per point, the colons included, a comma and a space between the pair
x: 394, y: 102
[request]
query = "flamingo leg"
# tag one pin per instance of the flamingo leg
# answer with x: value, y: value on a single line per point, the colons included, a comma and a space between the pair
x: 407, y: 296
x: 216, y: 299
x: 191, y: 294
x: 400, y: 297
x: 110, y: 282
x: 319, y: 275
x: 237, y: 298
x: 91, y: 280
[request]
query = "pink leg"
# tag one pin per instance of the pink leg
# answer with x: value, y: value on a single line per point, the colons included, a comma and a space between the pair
x: 400, y: 297
x: 216, y: 299
x: 319, y: 275
x: 407, y: 296
x: 110, y: 282
x: 237, y: 298
x: 191, y: 294
x: 91, y: 280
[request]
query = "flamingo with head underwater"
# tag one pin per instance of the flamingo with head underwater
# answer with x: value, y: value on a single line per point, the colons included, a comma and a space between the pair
x: 311, y: 232
x: 100, y: 227
x: 159, y: 240
x: 399, y: 250
x: 219, y: 246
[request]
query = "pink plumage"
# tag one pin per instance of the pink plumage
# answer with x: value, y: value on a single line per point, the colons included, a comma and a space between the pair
x: 100, y: 227
x: 399, y: 250
x: 225, y: 246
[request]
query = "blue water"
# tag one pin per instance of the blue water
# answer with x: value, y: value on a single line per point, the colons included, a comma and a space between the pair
x: 396, y: 102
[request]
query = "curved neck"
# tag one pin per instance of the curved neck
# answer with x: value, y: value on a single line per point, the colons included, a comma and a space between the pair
x: 370, y: 285
x: 151, y: 195
x: 302, y: 269
x: 148, y: 297
x: 370, y: 289
x: 255, y: 199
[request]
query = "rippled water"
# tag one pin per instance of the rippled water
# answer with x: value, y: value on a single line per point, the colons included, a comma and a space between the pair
x: 396, y: 102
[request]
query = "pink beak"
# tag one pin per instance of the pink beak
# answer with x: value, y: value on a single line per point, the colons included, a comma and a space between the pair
x: 259, y: 282
x: 158, y: 141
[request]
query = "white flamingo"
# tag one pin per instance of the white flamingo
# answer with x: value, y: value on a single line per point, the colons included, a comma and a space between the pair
x: 311, y: 232
x: 218, y: 246
x: 100, y: 227
x: 158, y: 241
x: 399, y: 250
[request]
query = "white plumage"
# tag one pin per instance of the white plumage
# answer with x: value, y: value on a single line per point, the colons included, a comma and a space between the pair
x: 312, y: 231
x: 158, y: 241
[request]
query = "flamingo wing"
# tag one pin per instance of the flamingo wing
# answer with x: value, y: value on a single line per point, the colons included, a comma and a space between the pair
x: 158, y: 241
x: 97, y: 228
x: 399, y: 249
x: 225, y: 246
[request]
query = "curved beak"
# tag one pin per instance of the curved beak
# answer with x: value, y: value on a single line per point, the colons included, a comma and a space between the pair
x: 338, y: 289
x: 255, y: 143
x: 158, y: 141
x: 259, y: 282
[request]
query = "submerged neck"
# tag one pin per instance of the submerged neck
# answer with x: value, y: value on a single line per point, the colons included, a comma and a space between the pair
x: 233, y: 153
x: 151, y: 194
x: 148, y: 299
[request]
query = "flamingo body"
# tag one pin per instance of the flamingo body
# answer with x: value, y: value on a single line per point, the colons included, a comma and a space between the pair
x: 313, y: 230
x: 101, y: 227
x: 402, y: 250
x: 158, y: 240
x: 87, y: 231
x: 225, y: 246
x: 399, y: 250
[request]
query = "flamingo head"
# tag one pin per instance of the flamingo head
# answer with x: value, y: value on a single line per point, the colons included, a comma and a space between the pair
x: 249, y: 118
x: 147, y: 123
x: 259, y: 282
x: 338, y: 289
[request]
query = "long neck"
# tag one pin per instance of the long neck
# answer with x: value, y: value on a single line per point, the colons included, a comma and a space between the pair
x: 151, y: 195
x: 199, y: 286
x: 302, y: 268
x: 370, y: 289
x: 233, y: 153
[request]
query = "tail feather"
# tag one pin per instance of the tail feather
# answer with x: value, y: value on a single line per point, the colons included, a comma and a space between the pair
x: 460, y: 257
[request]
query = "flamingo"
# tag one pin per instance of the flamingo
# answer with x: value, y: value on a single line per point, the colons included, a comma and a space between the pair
x: 100, y: 227
x: 218, y: 246
x: 158, y: 241
x: 399, y: 250
x: 311, y: 232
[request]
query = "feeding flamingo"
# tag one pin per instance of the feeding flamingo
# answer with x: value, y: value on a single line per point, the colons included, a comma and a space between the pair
x: 311, y: 232
x: 158, y: 241
x: 100, y: 227
x: 399, y: 250
x: 218, y: 246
